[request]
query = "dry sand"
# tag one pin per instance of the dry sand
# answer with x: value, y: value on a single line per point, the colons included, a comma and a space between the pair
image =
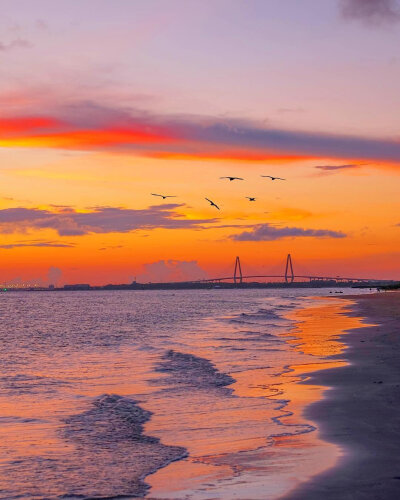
x: 361, y: 412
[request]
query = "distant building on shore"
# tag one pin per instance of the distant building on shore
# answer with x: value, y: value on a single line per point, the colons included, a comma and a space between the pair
x: 77, y: 286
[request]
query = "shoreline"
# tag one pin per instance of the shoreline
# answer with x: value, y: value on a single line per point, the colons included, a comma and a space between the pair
x: 360, y: 411
x: 290, y: 452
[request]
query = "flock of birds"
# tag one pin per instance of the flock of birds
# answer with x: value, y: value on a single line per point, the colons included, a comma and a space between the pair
x: 230, y: 178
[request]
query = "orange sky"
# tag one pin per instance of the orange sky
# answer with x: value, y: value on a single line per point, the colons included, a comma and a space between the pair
x: 357, y: 203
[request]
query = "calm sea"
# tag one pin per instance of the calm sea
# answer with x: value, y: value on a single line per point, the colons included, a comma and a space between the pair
x: 183, y: 394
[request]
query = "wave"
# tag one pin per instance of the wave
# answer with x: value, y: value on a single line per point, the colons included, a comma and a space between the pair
x: 191, y: 370
x: 262, y: 314
x: 111, y: 433
x: 106, y: 455
x: 111, y: 418
x: 257, y: 318
x: 30, y: 384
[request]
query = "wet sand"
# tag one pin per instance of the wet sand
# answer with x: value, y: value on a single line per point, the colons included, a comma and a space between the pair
x: 361, y: 411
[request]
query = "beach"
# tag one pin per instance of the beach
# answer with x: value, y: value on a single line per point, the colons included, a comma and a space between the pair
x: 203, y: 401
x: 360, y: 412
x: 247, y: 395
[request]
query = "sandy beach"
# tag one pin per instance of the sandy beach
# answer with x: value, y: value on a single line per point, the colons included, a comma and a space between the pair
x: 360, y: 412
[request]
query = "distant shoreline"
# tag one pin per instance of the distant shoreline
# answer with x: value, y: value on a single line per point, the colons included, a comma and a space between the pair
x: 190, y: 286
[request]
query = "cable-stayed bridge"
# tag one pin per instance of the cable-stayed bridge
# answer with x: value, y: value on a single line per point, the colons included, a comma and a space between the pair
x: 288, y: 276
x: 237, y: 279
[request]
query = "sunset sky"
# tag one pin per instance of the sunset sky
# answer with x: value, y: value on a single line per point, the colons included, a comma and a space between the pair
x: 103, y: 102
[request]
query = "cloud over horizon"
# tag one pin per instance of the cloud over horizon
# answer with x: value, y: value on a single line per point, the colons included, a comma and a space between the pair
x: 69, y: 222
x: 171, y: 270
x: 268, y: 232
x: 54, y: 275
x: 87, y: 126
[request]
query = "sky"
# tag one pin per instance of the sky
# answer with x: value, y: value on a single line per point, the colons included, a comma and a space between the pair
x: 104, y: 102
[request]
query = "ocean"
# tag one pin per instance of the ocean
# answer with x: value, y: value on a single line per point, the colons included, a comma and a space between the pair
x: 192, y: 394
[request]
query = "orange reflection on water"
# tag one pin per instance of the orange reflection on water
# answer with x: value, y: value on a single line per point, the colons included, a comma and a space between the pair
x: 318, y: 328
x: 316, y: 333
x: 238, y: 447
x: 274, y: 464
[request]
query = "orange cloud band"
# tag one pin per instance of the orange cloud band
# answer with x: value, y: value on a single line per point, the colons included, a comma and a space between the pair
x: 96, y: 128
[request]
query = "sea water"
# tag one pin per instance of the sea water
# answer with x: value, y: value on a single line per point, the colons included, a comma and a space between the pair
x: 188, y: 394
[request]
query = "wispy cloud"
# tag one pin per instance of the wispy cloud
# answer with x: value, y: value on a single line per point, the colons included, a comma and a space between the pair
x: 268, y: 232
x: 69, y: 222
x: 371, y: 12
x: 332, y: 168
x: 37, y: 243
x: 290, y: 110
x: 111, y: 247
x: 91, y: 127
x: 18, y: 43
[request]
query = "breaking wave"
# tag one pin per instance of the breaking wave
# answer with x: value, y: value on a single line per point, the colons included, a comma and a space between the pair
x: 107, y: 455
x: 190, y: 370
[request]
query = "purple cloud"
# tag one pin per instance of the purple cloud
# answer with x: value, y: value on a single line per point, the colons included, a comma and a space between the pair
x: 372, y: 12
x: 18, y: 43
x: 330, y: 168
x: 144, y: 133
x: 97, y: 220
x: 294, y: 142
x: 267, y: 232
x: 44, y: 244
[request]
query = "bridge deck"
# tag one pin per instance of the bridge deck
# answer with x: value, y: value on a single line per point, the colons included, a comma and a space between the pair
x: 282, y: 276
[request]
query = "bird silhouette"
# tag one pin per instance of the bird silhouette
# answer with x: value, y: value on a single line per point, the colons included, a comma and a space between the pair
x: 273, y: 178
x: 250, y: 198
x: 233, y: 178
x: 212, y: 203
x: 163, y: 196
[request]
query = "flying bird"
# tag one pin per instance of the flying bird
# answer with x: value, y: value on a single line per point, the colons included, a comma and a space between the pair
x: 233, y: 178
x: 212, y: 203
x: 163, y: 196
x: 250, y: 198
x: 273, y: 178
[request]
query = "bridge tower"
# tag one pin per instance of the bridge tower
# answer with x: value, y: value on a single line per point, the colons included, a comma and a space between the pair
x: 237, y: 275
x: 289, y: 274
